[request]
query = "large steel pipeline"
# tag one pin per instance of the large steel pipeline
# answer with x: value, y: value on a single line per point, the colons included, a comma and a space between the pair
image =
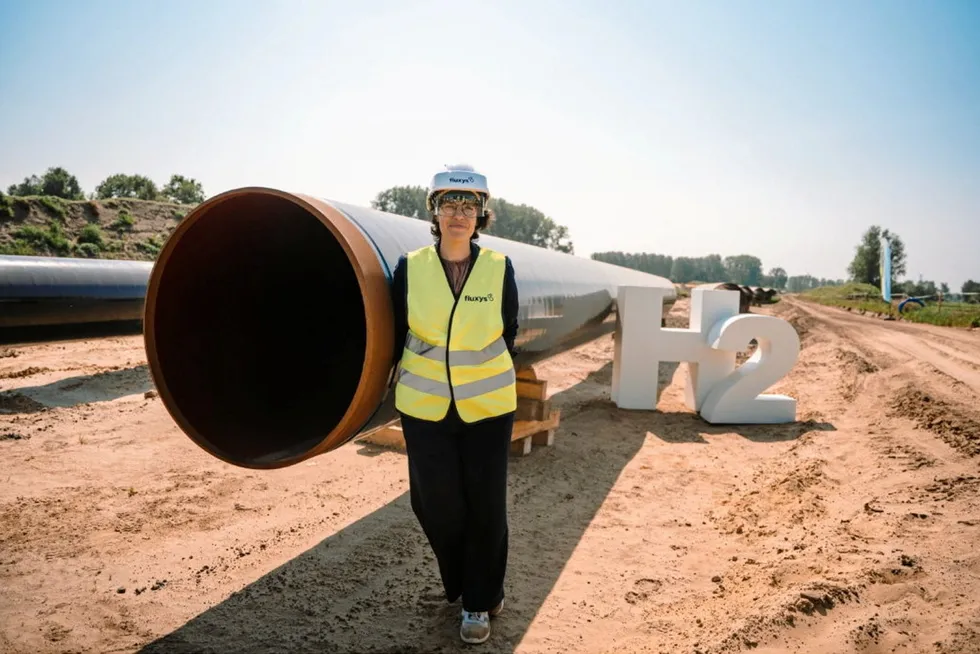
x: 268, y: 319
x: 60, y: 297
x: 744, y: 295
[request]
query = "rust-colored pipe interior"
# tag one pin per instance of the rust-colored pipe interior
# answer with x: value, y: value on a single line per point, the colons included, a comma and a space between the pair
x: 256, y: 330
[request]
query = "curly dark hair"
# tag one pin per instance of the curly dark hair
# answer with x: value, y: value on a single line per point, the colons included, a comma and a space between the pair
x: 482, y: 222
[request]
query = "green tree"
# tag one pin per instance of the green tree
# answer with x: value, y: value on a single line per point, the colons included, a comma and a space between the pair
x: 183, y: 190
x: 655, y: 264
x: 776, y: 278
x: 127, y: 186
x: 55, y: 181
x: 59, y: 182
x: 744, y: 269
x: 684, y: 269
x: 520, y: 222
x: 30, y: 186
x: 920, y: 288
x: 403, y: 200
x: 970, y: 286
x: 865, y: 267
x: 711, y: 269
x: 511, y: 221
x: 897, y: 247
x: 798, y: 283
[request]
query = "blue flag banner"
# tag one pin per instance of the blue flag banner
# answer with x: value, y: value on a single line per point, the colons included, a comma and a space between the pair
x: 886, y: 270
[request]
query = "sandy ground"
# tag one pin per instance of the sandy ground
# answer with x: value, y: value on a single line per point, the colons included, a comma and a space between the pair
x: 855, y: 529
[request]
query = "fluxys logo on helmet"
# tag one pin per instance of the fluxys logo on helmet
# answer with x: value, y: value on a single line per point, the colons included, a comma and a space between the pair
x: 462, y: 180
x: 479, y: 298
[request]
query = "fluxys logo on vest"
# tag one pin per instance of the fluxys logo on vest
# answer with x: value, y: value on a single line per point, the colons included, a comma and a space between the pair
x: 479, y: 298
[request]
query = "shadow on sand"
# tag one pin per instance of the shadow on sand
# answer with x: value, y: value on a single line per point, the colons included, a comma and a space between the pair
x: 82, y: 389
x: 373, y: 586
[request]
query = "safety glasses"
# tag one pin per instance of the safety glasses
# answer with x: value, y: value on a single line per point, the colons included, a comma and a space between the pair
x: 449, y: 209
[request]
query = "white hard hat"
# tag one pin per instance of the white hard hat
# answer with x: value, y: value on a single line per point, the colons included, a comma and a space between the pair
x: 459, y: 177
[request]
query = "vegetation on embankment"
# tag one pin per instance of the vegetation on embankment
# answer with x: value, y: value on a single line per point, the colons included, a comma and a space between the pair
x: 114, y: 228
x: 866, y: 299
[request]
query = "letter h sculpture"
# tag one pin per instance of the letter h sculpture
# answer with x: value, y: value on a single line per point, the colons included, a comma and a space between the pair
x: 714, y: 387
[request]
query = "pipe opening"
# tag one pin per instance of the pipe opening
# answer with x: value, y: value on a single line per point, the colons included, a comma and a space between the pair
x: 259, y: 329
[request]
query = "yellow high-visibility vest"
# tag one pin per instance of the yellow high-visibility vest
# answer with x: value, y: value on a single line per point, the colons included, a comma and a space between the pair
x: 455, y: 349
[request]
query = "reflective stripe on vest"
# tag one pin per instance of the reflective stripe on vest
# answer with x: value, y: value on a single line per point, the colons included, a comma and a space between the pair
x: 460, y: 391
x: 461, y: 340
x: 456, y: 358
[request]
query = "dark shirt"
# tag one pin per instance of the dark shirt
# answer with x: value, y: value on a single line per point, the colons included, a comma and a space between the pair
x: 399, y: 298
x: 456, y: 272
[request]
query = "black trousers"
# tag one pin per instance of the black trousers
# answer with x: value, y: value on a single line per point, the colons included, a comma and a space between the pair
x: 457, y: 476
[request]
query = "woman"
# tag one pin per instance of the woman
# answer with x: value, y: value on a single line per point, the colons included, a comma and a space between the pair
x: 455, y: 323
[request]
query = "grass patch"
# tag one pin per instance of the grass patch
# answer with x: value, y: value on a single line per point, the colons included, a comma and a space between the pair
x: 6, y: 207
x: 19, y: 247
x: 950, y: 314
x: 124, y: 222
x: 150, y: 246
x: 40, y: 225
x: 92, y: 235
x: 849, y: 292
x: 866, y: 298
x: 51, y: 240
x: 88, y: 250
x: 54, y: 205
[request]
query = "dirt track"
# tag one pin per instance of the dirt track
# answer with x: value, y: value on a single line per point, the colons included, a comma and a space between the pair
x: 853, y: 530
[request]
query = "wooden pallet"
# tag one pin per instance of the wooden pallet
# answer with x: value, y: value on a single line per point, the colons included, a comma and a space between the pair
x: 535, y: 422
x: 534, y: 432
x: 390, y: 435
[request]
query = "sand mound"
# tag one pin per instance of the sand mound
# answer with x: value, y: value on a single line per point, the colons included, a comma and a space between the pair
x: 950, y: 422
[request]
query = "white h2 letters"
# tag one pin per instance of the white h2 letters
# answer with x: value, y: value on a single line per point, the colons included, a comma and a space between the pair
x: 714, y: 387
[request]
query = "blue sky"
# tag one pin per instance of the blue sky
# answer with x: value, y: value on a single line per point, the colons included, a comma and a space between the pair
x: 679, y: 128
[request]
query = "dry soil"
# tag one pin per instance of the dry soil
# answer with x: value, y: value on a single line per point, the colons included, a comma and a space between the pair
x: 854, y: 529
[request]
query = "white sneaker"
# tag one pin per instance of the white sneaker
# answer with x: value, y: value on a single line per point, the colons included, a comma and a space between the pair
x: 475, y: 627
